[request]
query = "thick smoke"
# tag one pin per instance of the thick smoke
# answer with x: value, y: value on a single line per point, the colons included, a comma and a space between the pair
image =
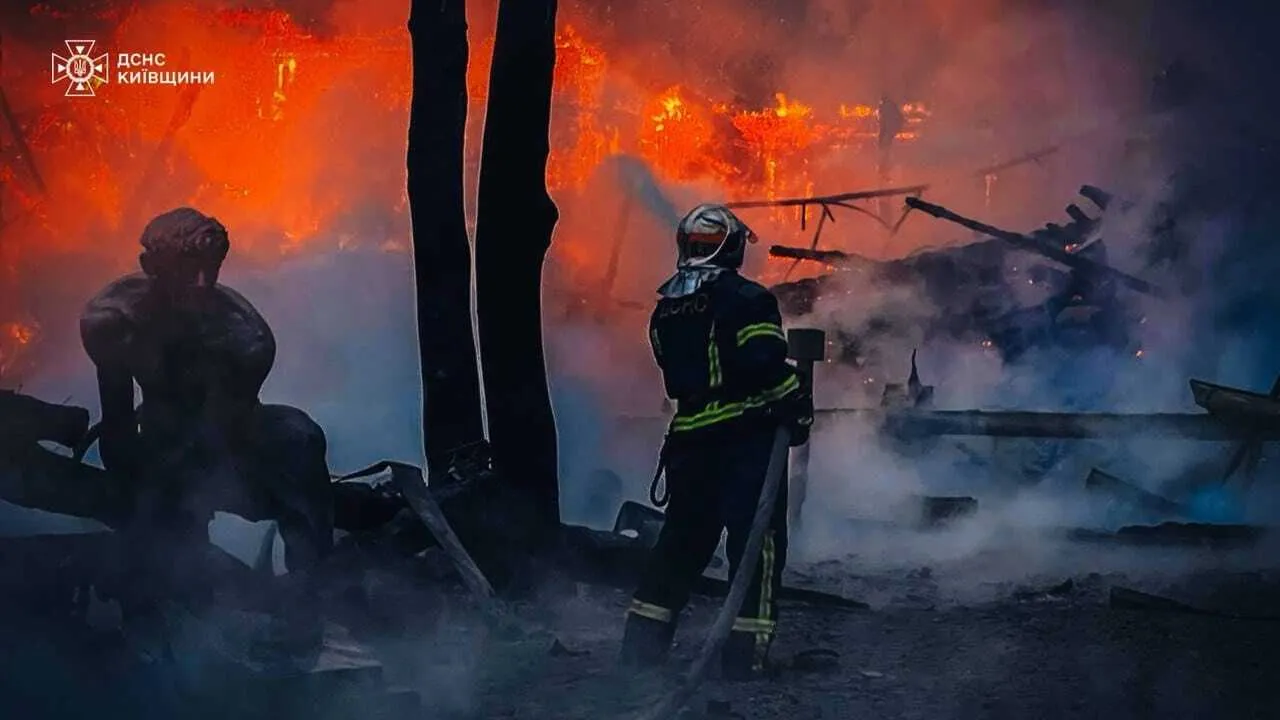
x: 1001, y: 79
x: 1178, y: 338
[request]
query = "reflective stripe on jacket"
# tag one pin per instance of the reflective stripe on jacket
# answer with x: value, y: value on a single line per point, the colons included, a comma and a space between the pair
x: 722, y: 352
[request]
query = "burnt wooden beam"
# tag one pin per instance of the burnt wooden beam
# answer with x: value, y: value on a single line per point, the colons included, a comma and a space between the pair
x: 413, y: 487
x: 25, y: 420
x: 1239, y: 407
x: 516, y: 219
x: 1030, y: 244
x: 886, y: 192
x: 451, y: 414
x: 1103, y: 482
x: 1176, y: 534
x: 1232, y: 402
x: 1060, y: 425
x: 828, y: 257
x: 39, y: 479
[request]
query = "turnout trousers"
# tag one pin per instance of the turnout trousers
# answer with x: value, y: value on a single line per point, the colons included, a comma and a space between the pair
x: 714, y: 478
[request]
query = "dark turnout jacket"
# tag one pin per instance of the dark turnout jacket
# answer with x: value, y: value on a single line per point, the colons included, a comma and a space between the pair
x: 722, y: 352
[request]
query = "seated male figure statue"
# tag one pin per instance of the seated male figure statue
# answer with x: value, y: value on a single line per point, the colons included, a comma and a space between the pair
x: 200, y: 441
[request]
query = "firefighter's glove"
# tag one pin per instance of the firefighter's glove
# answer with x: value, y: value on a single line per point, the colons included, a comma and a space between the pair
x: 799, y: 417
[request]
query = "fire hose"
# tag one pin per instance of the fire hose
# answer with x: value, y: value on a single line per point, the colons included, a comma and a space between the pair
x: 806, y: 346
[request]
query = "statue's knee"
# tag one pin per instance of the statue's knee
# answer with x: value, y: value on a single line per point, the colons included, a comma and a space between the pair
x: 286, y: 426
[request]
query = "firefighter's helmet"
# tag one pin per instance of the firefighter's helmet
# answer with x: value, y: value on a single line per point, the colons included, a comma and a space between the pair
x: 712, y: 236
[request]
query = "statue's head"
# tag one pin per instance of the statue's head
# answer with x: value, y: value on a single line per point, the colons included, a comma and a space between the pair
x: 183, y: 250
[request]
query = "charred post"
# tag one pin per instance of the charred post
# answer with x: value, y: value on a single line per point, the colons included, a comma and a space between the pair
x: 890, y: 122
x: 442, y: 257
x: 516, y: 219
x: 806, y: 346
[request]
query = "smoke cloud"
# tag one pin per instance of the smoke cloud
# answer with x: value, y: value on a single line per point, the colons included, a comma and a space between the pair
x: 1001, y: 79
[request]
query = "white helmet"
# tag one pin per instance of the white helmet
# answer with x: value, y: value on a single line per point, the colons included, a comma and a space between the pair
x: 711, y: 235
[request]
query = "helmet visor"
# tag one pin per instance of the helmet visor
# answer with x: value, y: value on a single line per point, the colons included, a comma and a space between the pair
x: 704, y: 245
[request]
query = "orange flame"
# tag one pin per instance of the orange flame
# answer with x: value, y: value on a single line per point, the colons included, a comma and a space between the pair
x: 679, y: 139
x: 302, y: 133
x: 19, y: 333
x: 16, y: 341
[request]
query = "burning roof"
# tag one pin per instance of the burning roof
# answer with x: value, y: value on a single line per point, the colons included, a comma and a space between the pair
x: 299, y: 143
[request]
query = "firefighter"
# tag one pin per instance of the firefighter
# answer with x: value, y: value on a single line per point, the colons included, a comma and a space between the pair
x: 717, y: 338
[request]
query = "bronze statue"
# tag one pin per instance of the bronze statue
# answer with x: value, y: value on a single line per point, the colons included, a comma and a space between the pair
x: 201, y: 440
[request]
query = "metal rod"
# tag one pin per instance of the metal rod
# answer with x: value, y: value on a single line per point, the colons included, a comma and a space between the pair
x: 830, y: 199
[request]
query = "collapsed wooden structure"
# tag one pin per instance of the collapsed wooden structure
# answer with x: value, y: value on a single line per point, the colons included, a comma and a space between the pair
x: 1233, y: 415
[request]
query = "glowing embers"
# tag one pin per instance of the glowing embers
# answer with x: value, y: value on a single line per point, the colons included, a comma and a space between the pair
x: 16, y: 341
x: 777, y: 138
x: 286, y: 72
x: 787, y: 127
x: 685, y: 138
x: 580, y: 66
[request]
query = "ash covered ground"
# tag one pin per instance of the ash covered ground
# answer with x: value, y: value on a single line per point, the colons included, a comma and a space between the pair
x: 956, y: 639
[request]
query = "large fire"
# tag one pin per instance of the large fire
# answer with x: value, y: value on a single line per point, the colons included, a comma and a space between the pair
x: 301, y: 138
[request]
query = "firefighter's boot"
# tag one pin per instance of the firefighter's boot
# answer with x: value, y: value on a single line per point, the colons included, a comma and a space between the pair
x: 745, y: 656
x: 645, y: 641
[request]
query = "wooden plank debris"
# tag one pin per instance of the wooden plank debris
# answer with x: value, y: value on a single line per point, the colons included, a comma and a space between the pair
x: 1233, y: 403
x: 1102, y: 482
x: 1186, y: 426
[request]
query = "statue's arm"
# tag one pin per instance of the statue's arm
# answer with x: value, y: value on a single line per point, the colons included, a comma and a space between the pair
x: 106, y: 338
x: 260, y: 353
x: 250, y: 357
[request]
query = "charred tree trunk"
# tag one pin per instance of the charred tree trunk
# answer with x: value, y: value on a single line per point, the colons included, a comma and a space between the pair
x: 513, y: 233
x: 441, y: 254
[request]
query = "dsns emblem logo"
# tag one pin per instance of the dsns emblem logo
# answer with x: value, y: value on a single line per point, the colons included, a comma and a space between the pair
x: 80, y: 69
